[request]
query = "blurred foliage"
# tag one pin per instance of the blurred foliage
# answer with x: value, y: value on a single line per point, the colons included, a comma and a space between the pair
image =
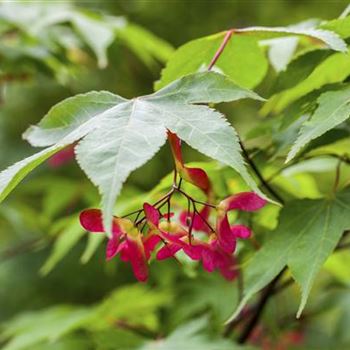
x: 56, y: 290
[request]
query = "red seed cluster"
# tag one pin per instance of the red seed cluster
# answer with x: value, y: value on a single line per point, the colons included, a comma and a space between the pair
x: 153, y: 231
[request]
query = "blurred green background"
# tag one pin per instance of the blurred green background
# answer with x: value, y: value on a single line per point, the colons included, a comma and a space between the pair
x: 46, y: 204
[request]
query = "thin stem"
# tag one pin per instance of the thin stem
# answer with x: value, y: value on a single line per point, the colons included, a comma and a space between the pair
x: 205, y: 203
x: 204, y: 220
x: 264, y: 298
x: 164, y: 197
x: 259, y: 175
x: 192, y: 223
x: 138, y: 215
x: 143, y: 226
x: 220, y: 49
x: 168, y: 208
x: 140, y: 330
x: 343, y: 246
x: 173, y: 256
x: 211, y: 65
x: 337, y: 176
x: 175, y: 177
x: 192, y: 199
x: 132, y: 213
x: 159, y: 204
x: 277, y: 289
x: 345, y: 159
x: 250, y: 309
x: 188, y: 212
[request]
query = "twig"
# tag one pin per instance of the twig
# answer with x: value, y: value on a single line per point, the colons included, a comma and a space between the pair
x: 264, y: 298
x: 132, y: 213
x: 277, y: 289
x: 137, y: 329
x: 259, y: 175
x: 345, y: 159
x: 337, y: 176
x: 220, y: 49
x: 249, y: 160
x: 343, y: 246
x: 204, y: 220
x: 234, y: 323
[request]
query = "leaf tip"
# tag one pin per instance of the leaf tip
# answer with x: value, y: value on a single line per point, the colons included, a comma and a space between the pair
x: 301, y: 308
x: 237, y: 311
x: 290, y: 155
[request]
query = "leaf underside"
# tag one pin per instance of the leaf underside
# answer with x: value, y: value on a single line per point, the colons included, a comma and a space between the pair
x: 116, y: 136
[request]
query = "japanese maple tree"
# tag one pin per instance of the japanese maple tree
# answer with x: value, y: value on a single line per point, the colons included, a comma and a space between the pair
x: 269, y: 227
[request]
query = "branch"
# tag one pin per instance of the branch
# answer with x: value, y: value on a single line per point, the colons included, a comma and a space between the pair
x: 259, y: 175
x: 264, y: 298
x: 277, y: 289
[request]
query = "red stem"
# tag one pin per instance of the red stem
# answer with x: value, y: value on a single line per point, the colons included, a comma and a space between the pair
x: 174, y: 141
x: 221, y: 48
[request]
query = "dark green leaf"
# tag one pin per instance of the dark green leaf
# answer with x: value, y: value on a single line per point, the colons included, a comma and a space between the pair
x: 307, y: 234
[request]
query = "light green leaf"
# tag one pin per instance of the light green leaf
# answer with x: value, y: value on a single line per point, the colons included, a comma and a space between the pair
x: 213, y: 138
x: 59, y: 195
x: 133, y: 130
x: 78, y: 111
x: 96, y: 33
x: 67, y: 239
x: 338, y: 265
x: 281, y: 51
x: 191, y: 336
x: 63, y: 125
x: 333, y: 109
x: 333, y: 69
x: 298, y: 184
x: 332, y: 40
x: 212, y: 291
x: 144, y: 44
x: 243, y: 60
x: 13, y: 175
x: 141, y: 308
x: 94, y: 241
x: 337, y: 146
x: 307, y: 234
x: 76, y: 342
x: 48, y: 325
x: 341, y: 26
x: 31, y: 329
x: 300, y: 68
x: 115, y: 339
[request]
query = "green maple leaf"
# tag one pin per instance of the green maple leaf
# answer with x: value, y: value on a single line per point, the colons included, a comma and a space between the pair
x: 333, y: 109
x: 333, y: 69
x: 306, y: 236
x: 243, y: 60
x: 116, y: 135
